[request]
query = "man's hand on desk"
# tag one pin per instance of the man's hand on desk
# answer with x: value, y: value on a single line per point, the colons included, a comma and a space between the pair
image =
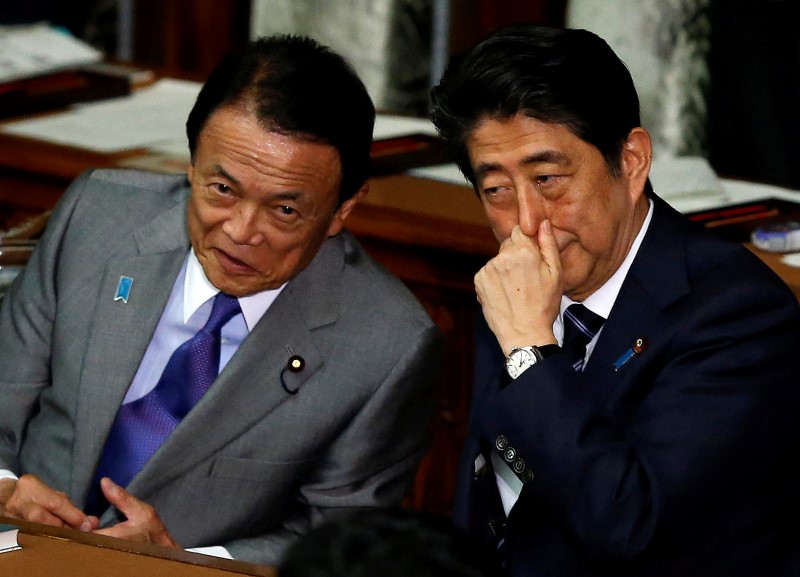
x: 143, y: 523
x: 29, y: 499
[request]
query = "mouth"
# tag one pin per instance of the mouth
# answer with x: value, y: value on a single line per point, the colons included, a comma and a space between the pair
x: 564, y: 241
x: 231, y: 264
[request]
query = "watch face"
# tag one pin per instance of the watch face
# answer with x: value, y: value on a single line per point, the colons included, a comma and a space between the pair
x: 519, y: 360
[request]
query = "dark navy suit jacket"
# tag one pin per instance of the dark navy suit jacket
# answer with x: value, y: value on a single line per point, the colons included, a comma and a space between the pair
x: 679, y: 462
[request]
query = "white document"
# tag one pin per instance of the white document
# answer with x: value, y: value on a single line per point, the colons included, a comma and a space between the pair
x: 150, y: 118
x: 687, y: 182
x: 153, y: 118
x: 8, y: 541
x: 443, y: 172
x: 35, y: 49
x: 391, y: 126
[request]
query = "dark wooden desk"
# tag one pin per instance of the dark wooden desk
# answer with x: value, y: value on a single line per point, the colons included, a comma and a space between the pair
x: 52, y: 551
x: 789, y: 274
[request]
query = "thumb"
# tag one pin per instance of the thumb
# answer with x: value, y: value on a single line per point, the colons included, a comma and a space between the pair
x: 549, y: 247
x: 116, y: 495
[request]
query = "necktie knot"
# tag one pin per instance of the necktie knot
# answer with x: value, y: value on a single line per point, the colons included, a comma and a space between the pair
x: 224, y: 309
x: 580, y: 327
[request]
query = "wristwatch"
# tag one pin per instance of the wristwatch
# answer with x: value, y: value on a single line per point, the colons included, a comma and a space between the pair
x: 522, y: 358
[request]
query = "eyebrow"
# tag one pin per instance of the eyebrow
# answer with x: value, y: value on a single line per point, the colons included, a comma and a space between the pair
x: 286, y: 195
x: 548, y: 156
x: 291, y: 195
x: 222, y: 172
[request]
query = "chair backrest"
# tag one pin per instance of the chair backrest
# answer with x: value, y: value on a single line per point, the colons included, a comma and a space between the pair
x: 16, y: 245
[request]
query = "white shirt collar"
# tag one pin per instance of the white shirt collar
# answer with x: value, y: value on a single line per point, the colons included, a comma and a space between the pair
x: 602, y: 300
x: 197, y: 289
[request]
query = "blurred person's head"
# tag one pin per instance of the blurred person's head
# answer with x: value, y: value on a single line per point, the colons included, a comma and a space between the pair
x: 384, y: 543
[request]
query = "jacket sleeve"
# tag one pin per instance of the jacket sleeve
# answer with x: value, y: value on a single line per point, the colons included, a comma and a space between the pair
x: 26, y: 322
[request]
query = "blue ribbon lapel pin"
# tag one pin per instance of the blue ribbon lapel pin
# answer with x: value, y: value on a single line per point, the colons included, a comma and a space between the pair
x: 639, y: 346
x: 123, y: 289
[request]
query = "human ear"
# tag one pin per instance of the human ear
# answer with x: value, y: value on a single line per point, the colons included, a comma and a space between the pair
x: 637, y: 154
x: 341, y: 214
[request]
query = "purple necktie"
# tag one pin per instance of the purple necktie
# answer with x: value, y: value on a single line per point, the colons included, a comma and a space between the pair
x: 142, y: 425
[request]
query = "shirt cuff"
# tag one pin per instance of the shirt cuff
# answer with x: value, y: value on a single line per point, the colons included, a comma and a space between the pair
x: 215, y: 551
x: 6, y: 474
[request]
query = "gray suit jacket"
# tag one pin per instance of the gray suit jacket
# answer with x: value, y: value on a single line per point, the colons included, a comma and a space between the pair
x: 251, y: 466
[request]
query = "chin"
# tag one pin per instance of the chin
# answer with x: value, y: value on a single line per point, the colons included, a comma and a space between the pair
x: 243, y: 288
x: 224, y: 282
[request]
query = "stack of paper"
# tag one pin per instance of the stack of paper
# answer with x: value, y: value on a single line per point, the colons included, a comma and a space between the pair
x: 38, y: 49
x: 8, y: 541
x: 152, y: 118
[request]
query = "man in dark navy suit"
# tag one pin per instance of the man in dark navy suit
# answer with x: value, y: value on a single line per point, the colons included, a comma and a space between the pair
x: 636, y: 394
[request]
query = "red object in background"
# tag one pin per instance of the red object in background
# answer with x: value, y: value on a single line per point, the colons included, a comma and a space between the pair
x: 493, y: 15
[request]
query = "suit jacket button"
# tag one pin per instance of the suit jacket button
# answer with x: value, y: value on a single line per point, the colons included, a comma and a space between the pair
x: 527, y: 476
x: 510, y: 454
x: 501, y: 443
x: 518, y: 466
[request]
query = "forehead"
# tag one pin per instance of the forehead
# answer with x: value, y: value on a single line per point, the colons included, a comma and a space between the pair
x: 519, y: 133
x: 233, y: 142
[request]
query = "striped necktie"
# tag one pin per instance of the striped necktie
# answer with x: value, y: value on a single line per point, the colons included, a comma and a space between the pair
x: 580, y: 327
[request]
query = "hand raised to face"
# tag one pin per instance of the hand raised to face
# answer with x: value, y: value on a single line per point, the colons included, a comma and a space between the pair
x: 520, y: 289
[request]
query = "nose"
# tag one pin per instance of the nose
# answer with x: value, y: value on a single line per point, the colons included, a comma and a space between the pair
x: 530, y: 210
x: 242, y: 226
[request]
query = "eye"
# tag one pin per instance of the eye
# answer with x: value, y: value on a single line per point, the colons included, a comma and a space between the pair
x: 498, y: 196
x: 552, y: 180
x: 286, y: 214
x: 494, y: 190
x: 221, y: 187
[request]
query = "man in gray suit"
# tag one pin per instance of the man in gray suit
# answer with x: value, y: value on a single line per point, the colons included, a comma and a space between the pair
x: 326, y: 369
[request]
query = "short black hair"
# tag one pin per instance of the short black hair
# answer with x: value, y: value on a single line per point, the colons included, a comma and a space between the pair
x: 298, y: 87
x: 562, y: 76
x: 385, y: 543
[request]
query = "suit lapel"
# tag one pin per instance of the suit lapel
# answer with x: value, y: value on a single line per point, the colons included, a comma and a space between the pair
x: 250, y: 385
x: 651, y: 286
x: 122, y: 331
x: 634, y: 317
x: 664, y: 279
